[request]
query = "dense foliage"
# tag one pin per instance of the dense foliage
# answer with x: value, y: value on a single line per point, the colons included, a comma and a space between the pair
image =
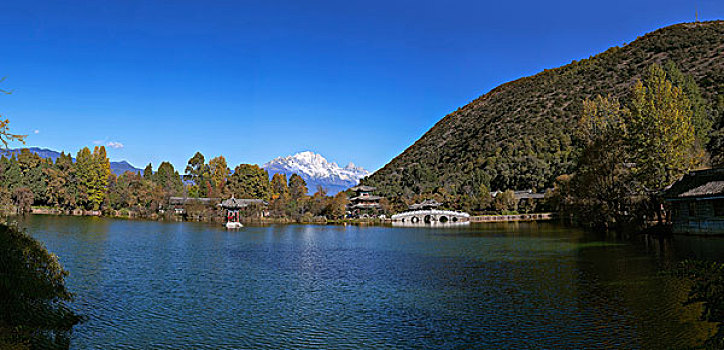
x: 707, y: 289
x: 28, y: 179
x: 33, y: 296
x: 633, y: 151
x: 521, y: 136
x: 86, y: 183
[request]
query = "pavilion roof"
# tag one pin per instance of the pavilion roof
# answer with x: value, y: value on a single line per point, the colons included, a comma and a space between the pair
x: 238, y: 203
x: 701, y: 183
x: 363, y: 188
x: 365, y: 198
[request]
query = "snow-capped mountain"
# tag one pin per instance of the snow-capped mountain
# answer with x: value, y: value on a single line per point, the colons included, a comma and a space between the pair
x: 317, y: 171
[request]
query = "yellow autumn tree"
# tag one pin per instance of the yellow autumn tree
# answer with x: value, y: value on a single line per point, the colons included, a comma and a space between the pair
x: 661, y: 133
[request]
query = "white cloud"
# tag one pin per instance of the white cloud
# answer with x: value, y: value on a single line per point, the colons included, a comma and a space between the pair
x: 114, y: 144
x: 36, y: 131
x: 98, y: 142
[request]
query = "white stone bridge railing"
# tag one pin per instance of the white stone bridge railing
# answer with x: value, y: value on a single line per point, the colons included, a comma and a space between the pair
x: 431, y: 216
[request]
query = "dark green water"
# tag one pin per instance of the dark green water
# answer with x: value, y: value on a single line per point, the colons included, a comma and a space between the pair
x: 498, y: 286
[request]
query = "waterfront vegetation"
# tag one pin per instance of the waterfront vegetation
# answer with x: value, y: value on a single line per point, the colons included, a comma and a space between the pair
x: 520, y: 135
x: 634, y: 149
x: 707, y: 289
x: 87, y: 184
x: 33, y: 297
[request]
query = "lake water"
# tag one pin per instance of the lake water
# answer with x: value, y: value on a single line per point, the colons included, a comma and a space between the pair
x: 503, y: 286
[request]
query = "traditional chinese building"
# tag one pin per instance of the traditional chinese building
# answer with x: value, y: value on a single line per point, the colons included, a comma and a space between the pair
x: 695, y: 203
x: 364, y: 203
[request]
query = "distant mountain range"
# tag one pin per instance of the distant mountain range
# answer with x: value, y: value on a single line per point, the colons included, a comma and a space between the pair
x: 317, y: 171
x: 117, y: 168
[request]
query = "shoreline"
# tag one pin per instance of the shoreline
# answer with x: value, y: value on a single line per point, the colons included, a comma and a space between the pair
x: 269, y: 220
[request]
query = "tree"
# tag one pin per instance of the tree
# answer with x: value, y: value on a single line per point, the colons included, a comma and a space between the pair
x: 662, y: 136
x: 67, y: 170
x: 84, y: 176
x: 279, y: 186
x: 56, y: 186
x: 702, y: 115
x: 197, y: 171
x: 250, y: 181
x: 5, y: 134
x: 31, y: 171
x: 33, y: 296
x: 279, y: 194
x: 633, y: 152
x: 484, y: 197
x: 337, y: 206
x: 506, y: 201
x: 297, y: 187
x: 169, y: 179
x: 100, y: 170
x: 219, y: 172
x: 23, y: 198
x: 148, y: 172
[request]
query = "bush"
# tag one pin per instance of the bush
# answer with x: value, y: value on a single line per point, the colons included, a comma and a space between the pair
x: 33, y: 310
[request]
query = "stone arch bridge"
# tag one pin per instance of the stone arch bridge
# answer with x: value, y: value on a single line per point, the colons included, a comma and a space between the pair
x: 432, y: 216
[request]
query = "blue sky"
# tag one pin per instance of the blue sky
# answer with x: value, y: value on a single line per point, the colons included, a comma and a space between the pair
x: 354, y: 81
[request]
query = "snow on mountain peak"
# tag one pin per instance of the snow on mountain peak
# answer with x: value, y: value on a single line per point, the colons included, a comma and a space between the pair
x: 316, y: 170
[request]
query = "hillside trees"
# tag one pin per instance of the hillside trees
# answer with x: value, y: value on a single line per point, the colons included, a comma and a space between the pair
x: 519, y: 135
x: 633, y: 151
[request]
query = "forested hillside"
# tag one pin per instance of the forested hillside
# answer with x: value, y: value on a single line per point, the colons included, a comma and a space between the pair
x: 520, y: 135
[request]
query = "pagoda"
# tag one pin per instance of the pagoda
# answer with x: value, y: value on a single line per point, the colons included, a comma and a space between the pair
x: 364, y: 203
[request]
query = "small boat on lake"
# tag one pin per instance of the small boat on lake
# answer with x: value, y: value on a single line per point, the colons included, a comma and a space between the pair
x: 233, y: 225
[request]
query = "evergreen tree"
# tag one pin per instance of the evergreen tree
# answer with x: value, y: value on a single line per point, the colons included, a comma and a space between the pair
x: 84, y: 177
x: 297, y: 187
x: 168, y: 178
x: 250, y: 181
x: 148, y: 172
x: 197, y: 171
x: 101, y: 171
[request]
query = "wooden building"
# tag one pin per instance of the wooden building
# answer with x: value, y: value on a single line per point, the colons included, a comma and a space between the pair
x: 364, y: 203
x: 695, y: 203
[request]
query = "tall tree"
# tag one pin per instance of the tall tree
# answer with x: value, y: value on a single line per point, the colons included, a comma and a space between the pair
x: 84, y: 177
x: 662, y: 136
x: 197, y: 171
x: 249, y: 181
x: 279, y: 186
x: 633, y: 152
x: 297, y: 187
x: 148, y: 172
x: 64, y: 164
x: 219, y: 172
x: 168, y: 178
x: 101, y: 170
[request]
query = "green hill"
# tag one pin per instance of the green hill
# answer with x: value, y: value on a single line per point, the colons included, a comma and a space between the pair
x: 520, y: 134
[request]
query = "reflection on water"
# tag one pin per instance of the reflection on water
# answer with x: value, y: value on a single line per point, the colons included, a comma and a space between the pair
x: 502, y: 285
